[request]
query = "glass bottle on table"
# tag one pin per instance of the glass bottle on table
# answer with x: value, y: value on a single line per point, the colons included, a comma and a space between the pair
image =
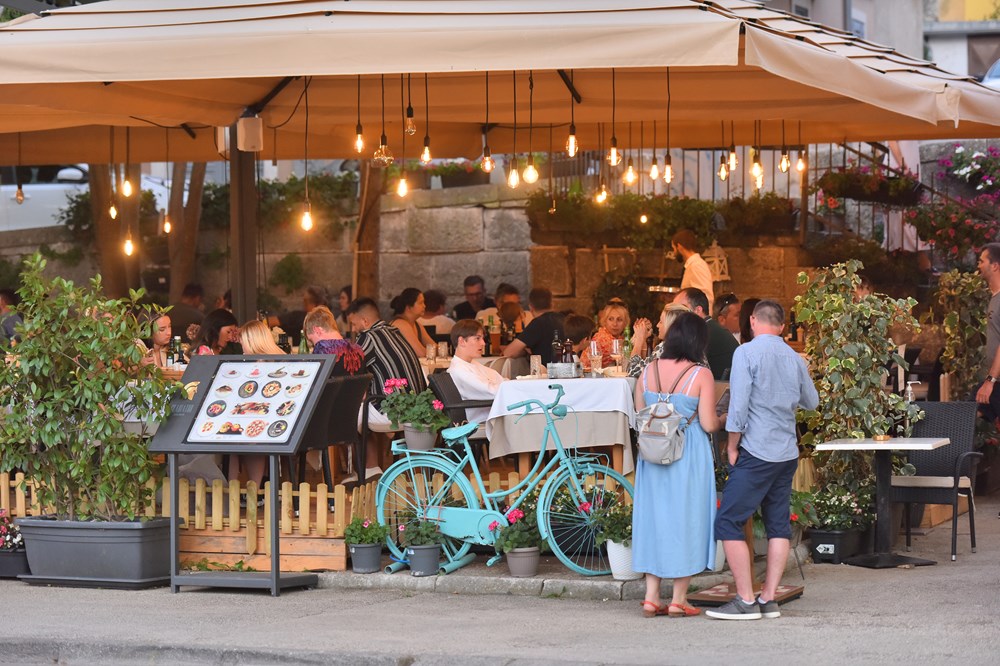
x: 304, y: 343
x: 494, y: 333
x: 556, y: 347
x: 284, y: 344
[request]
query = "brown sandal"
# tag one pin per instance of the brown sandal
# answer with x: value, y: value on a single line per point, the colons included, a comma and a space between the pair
x: 650, y: 609
x: 682, y: 610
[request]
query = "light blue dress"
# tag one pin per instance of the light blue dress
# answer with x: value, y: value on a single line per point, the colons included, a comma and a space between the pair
x: 675, y: 504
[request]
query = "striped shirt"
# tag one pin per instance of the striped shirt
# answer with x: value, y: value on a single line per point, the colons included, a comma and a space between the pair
x: 387, y: 356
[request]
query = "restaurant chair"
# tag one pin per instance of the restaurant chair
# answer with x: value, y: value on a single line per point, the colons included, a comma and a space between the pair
x: 945, y: 473
x: 443, y: 386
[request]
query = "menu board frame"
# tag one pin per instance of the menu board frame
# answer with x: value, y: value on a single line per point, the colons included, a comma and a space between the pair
x: 181, y: 433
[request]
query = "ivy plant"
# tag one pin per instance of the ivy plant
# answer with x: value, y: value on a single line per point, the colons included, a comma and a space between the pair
x: 64, y: 391
x: 850, y: 349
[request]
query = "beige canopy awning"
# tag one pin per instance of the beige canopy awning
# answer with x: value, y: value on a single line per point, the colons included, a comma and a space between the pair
x: 197, y: 65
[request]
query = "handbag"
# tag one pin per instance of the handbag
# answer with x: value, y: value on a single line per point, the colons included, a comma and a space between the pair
x: 661, y: 428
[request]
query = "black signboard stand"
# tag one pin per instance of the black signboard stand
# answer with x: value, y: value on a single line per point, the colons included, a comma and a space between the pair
x: 260, y: 405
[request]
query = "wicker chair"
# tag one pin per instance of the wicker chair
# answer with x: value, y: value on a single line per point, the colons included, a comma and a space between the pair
x: 945, y: 473
x: 444, y: 388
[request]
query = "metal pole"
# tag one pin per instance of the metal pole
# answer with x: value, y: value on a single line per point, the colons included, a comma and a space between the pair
x: 243, y: 231
x: 275, y: 555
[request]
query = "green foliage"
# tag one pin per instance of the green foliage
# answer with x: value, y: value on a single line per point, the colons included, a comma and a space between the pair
x: 418, y: 409
x: 958, y: 229
x: 78, y: 369
x: 206, y: 565
x: 365, y: 530
x: 864, y: 183
x: 615, y: 524
x: 280, y: 205
x: 216, y: 258
x: 79, y: 219
x: 419, y: 533
x: 848, y: 342
x: 884, y: 270
x: 522, y: 531
x: 760, y: 214
x: 842, y: 508
x: 71, y: 257
x: 289, y: 273
x: 10, y: 274
x: 802, y: 513
x: 634, y: 291
x: 964, y: 298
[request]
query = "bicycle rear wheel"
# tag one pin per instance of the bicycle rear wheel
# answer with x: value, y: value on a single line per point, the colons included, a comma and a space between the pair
x: 569, y: 514
x: 406, y: 491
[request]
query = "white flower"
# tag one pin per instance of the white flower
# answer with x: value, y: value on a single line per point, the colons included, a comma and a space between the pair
x: 959, y: 149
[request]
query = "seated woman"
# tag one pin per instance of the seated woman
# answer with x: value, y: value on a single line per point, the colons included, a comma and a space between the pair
x: 637, y: 363
x: 613, y: 320
x: 674, y: 506
x: 218, y: 329
x: 159, y: 340
x: 406, y: 308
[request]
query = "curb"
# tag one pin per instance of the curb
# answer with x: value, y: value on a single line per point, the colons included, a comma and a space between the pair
x: 556, y: 582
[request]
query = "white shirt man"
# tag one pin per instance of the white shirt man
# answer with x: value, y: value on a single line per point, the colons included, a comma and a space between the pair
x: 473, y: 380
x: 697, y: 274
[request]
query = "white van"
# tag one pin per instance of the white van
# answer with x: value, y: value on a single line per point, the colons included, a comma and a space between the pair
x: 47, y: 190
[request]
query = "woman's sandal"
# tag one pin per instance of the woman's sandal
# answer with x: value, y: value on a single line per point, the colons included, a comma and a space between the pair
x: 649, y: 609
x: 682, y: 610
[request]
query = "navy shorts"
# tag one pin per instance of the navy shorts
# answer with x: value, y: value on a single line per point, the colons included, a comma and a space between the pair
x: 754, y: 482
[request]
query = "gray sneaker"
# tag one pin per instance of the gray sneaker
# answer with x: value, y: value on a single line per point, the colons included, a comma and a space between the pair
x: 769, y: 609
x: 737, y: 609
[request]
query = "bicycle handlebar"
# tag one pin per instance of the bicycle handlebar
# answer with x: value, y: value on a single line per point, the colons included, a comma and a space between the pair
x: 528, y: 405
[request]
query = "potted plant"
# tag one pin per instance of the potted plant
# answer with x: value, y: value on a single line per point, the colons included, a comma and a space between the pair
x: 459, y: 173
x: 841, y: 515
x: 802, y: 514
x: 364, y: 537
x: 422, y: 541
x: 421, y: 414
x: 520, y: 539
x: 615, y: 528
x: 13, y: 558
x: 863, y: 183
x: 76, y: 373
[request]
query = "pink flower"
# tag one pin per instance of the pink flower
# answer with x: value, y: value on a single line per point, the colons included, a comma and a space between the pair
x: 494, y: 525
x: 402, y: 528
x: 366, y: 523
x: 515, y: 515
x: 585, y: 507
x: 438, y: 405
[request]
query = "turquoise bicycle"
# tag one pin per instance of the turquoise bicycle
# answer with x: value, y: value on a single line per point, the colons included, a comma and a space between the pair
x: 576, y: 490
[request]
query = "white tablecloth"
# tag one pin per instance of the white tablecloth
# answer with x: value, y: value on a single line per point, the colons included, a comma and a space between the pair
x: 604, y: 413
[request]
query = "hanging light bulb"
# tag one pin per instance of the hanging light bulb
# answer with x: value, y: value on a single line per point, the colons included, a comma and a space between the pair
x: 800, y: 164
x: 167, y: 227
x: 410, y: 127
x: 733, y: 160
x: 19, y: 194
x: 654, y: 170
x: 307, y: 218
x: 723, y: 169
x: 383, y: 156
x: 127, y: 188
x: 630, y: 176
x: 602, y: 194
x: 759, y: 181
x: 756, y: 169
x: 786, y: 162
x: 643, y: 219
x: 513, y: 177
x: 530, y: 174
x: 572, y: 147
x: 425, y: 154
x: 129, y: 247
x: 614, y: 156
x: 359, y: 140
x: 668, y: 169
x: 552, y: 208
x: 402, y: 188
x: 488, y: 163
x: 113, y: 211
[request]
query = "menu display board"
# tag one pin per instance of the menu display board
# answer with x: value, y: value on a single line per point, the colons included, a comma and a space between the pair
x: 254, y: 402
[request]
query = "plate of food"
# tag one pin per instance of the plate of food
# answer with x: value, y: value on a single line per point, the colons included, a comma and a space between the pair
x: 207, y: 427
x: 293, y: 390
x: 615, y: 372
x: 254, y: 373
x: 230, y: 428
x: 215, y: 408
x: 277, y: 374
x: 256, y: 427
x: 285, y: 408
x: 277, y: 429
x: 300, y: 373
x: 251, y: 408
x: 270, y: 389
x: 225, y: 389
x: 232, y: 373
x: 248, y: 389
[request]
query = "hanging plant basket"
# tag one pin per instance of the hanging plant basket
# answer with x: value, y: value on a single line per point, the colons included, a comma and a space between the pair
x: 889, y: 191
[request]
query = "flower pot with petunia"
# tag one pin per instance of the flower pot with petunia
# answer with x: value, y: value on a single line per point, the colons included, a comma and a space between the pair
x: 421, y: 415
x: 364, y: 538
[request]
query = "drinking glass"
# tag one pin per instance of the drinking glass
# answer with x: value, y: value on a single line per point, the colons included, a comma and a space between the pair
x: 596, y: 358
x: 536, y: 365
x: 442, y: 349
x: 432, y: 352
x: 616, y: 353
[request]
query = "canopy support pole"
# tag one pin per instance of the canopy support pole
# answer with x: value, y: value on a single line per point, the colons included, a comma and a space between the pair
x: 243, y: 231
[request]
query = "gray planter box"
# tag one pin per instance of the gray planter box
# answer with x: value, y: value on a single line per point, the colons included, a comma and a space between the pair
x: 129, y: 555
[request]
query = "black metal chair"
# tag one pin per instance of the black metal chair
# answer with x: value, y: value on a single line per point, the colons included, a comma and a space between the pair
x: 945, y: 473
x: 341, y: 402
x: 443, y: 386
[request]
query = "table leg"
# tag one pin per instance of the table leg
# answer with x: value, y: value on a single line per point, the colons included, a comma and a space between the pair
x: 883, y: 557
x: 618, y: 458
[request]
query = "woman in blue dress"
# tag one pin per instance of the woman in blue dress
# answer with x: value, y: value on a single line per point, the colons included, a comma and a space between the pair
x: 675, y: 504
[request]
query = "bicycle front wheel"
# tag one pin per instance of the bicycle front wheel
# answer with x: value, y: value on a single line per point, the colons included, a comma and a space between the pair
x: 570, y: 511
x: 406, y: 491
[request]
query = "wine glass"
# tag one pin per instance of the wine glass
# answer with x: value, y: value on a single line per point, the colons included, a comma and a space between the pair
x: 616, y: 353
x: 596, y: 358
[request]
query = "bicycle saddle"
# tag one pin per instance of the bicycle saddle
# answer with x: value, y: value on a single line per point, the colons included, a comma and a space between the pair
x: 458, y: 432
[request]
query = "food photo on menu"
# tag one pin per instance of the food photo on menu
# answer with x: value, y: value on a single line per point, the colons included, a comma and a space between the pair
x: 253, y: 400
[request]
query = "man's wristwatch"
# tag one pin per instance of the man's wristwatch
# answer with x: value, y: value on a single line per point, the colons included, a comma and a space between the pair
x: 991, y: 379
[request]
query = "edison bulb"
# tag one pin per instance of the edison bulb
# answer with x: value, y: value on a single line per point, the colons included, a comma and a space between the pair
x: 630, y: 176
x: 410, y: 127
x: 552, y: 209
x: 756, y: 170
x: 425, y: 154
x: 113, y: 212
x: 800, y: 164
x: 167, y: 227
x: 614, y: 156
x: 129, y: 247
x: 785, y: 163
x: 19, y: 195
x: 668, y: 169
x: 359, y: 140
x: 127, y: 188
x: 513, y: 177
x: 530, y: 174
x: 733, y: 160
x: 382, y: 155
x: 759, y: 181
x: 602, y: 194
x: 307, y: 218
x: 654, y: 171
x: 488, y: 163
x: 723, y: 169
x: 643, y: 219
x: 403, y: 188
x: 572, y: 147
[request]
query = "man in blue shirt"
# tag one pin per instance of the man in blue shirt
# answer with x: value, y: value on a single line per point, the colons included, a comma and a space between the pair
x: 769, y: 381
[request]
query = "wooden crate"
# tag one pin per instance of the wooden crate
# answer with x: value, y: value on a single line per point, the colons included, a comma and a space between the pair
x: 935, y: 514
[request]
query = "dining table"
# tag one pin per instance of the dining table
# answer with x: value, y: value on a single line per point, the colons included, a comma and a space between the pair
x: 883, y: 557
x: 601, y: 414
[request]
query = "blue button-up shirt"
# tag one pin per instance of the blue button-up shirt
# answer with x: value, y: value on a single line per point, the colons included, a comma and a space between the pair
x: 768, y: 382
